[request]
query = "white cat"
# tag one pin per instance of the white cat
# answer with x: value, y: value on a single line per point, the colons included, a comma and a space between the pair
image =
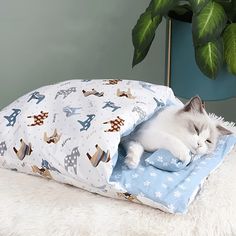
x: 177, y: 129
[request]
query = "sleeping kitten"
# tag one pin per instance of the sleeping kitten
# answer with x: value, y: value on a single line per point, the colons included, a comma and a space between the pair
x: 177, y: 129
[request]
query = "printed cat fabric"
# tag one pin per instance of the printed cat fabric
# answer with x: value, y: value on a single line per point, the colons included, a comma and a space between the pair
x: 70, y: 131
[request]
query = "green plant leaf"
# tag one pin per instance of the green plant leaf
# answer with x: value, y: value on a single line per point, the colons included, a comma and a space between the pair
x: 182, y: 13
x: 232, y: 12
x: 209, y: 23
x: 229, y: 37
x: 197, y: 5
x: 144, y: 30
x: 140, y: 55
x: 209, y: 57
x: 229, y: 7
x: 161, y: 7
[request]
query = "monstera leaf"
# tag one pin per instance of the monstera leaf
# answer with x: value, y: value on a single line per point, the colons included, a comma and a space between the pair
x: 197, y: 5
x: 143, y: 34
x: 161, y: 7
x: 209, y: 57
x: 229, y: 37
x: 209, y: 23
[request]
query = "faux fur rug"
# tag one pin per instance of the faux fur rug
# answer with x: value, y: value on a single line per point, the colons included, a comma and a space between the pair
x: 34, y: 206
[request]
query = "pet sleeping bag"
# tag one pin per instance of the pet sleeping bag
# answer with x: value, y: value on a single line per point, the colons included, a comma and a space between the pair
x: 70, y: 132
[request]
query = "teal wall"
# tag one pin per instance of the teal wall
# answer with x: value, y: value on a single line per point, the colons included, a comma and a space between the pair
x: 46, y: 41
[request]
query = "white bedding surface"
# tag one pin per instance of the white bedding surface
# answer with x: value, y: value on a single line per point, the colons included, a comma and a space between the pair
x: 35, y: 206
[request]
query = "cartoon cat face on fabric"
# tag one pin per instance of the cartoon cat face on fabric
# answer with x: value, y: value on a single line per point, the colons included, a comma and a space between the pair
x: 197, y: 130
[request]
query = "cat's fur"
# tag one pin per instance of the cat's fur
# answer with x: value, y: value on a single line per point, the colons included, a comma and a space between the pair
x: 177, y: 129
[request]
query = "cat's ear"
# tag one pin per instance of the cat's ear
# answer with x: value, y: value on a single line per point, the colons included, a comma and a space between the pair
x: 223, y: 131
x: 194, y: 104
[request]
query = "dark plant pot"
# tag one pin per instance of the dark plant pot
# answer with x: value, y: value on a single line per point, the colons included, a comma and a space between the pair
x: 186, y: 79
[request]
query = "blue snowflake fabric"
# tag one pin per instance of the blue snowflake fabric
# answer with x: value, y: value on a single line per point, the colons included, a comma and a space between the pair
x: 173, y: 191
x: 165, y: 160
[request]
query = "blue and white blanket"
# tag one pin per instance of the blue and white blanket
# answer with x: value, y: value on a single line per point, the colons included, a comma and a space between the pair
x: 70, y: 132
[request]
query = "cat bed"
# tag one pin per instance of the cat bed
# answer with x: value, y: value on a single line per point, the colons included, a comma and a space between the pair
x: 170, y: 184
x: 70, y: 132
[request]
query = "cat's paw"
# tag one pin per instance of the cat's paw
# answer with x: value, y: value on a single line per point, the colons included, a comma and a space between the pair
x: 131, y: 161
x: 134, y: 153
x: 183, y: 155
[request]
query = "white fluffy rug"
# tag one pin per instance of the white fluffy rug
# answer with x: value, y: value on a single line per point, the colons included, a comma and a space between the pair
x: 34, y: 206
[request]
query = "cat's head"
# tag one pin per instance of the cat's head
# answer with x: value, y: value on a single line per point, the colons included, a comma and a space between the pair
x: 200, y: 131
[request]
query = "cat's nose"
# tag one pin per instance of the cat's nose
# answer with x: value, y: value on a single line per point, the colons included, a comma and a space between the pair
x: 199, y: 144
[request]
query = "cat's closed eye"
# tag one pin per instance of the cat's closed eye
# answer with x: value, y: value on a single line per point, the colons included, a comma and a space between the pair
x: 208, y: 140
x: 196, y: 129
